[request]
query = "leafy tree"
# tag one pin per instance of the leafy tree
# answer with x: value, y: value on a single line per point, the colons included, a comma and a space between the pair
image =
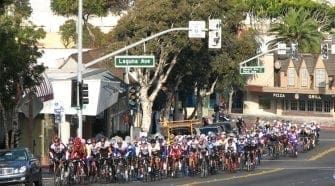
x: 322, y: 12
x: 18, y: 54
x: 99, y: 8
x: 175, y: 53
x: 69, y: 35
x: 298, y: 27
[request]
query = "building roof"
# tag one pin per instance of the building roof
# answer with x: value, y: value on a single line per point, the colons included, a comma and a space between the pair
x: 90, y: 55
x: 310, y: 61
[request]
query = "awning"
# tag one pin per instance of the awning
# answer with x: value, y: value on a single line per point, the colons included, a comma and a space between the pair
x: 44, y: 90
x: 39, y: 94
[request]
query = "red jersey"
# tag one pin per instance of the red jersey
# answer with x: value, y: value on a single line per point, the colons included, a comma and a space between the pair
x: 78, y: 152
x: 175, y: 151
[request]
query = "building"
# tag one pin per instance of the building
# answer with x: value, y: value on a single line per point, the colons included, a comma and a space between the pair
x: 288, y: 87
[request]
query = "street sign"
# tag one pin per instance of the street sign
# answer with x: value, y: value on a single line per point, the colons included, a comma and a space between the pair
x: 134, y: 61
x: 197, y: 29
x: 281, y: 48
x: 252, y: 70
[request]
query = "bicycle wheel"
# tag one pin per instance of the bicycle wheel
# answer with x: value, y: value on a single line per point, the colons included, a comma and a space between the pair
x: 57, y: 176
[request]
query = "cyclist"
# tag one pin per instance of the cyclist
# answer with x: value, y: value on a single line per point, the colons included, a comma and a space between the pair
x: 120, y: 148
x: 57, y: 152
x: 79, y: 150
x: 105, y: 148
x: 231, y: 151
x: 93, y: 154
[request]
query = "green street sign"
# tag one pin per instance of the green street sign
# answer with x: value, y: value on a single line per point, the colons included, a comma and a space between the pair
x: 252, y: 70
x: 134, y: 61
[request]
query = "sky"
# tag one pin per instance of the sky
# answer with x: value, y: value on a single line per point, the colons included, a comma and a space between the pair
x: 43, y: 16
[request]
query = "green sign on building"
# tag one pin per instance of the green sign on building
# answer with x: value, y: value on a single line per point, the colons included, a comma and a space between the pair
x: 134, y: 61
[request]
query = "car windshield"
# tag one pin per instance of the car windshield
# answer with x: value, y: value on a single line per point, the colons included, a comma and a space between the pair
x: 208, y: 129
x: 12, y: 155
x: 181, y: 131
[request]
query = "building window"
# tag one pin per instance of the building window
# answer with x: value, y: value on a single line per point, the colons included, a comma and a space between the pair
x: 310, y: 105
x: 287, y: 105
x: 327, y: 106
x: 291, y: 76
x: 302, y: 105
x: 318, y: 106
x: 264, y: 103
x: 320, y: 78
x: 294, y: 105
x: 304, y: 77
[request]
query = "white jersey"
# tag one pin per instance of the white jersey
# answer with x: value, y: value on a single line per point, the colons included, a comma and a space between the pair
x: 193, y: 144
x: 144, y: 149
x: 231, y: 146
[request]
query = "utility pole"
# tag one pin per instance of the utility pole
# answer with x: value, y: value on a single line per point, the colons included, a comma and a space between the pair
x: 79, y: 67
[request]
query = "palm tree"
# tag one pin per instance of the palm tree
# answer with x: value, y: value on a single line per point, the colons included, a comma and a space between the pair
x: 297, y: 26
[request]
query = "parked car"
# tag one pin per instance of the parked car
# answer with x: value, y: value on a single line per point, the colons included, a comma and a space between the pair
x: 226, y: 126
x: 210, y: 128
x: 182, y: 131
x: 18, y: 166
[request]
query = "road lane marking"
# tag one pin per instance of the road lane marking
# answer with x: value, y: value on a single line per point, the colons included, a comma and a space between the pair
x: 321, y: 154
x: 327, y: 139
x: 296, y: 168
x: 285, y: 160
x: 232, y: 178
x: 47, y: 178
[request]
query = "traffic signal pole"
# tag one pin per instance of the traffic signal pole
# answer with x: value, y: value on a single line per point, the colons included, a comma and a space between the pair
x: 79, y: 67
x: 134, y: 45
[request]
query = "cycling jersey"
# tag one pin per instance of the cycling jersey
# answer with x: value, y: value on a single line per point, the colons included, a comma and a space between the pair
x: 57, y: 151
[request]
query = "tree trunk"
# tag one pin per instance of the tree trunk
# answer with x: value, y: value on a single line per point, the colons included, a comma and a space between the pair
x: 167, y: 109
x: 147, y: 111
x: 5, y: 120
x: 230, y: 100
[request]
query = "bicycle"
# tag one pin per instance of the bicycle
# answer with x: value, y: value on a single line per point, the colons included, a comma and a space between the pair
x: 203, y: 165
x: 93, y: 171
x: 60, y: 177
x: 76, y: 172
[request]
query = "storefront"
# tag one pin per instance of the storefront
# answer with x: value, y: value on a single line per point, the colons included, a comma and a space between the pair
x: 297, y: 103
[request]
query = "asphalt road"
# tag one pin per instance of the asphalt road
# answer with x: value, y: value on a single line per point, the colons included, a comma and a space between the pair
x: 315, y: 167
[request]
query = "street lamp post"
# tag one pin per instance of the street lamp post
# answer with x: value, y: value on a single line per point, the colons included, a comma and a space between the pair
x: 79, y: 67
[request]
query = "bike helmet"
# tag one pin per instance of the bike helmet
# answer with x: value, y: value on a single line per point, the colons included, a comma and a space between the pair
x: 88, y: 141
x: 77, y: 141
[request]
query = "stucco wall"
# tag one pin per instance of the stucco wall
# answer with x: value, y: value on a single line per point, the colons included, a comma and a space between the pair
x: 251, y: 106
x: 266, y: 78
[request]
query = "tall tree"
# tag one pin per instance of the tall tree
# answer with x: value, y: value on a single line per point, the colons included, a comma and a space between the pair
x: 18, y: 54
x: 298, y: 27
x: 321, y: 11
x: 153, y: 16
x: 100, y: 8
x: 69, y: 35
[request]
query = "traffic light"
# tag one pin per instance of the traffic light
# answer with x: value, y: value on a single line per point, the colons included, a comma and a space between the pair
x: 214, y: 33
x: 294, y: 51
x: 324, y: 51
x: 73, y: 93
x: 132, y: 98
x: 83, y: 93
x: 84, y: 99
